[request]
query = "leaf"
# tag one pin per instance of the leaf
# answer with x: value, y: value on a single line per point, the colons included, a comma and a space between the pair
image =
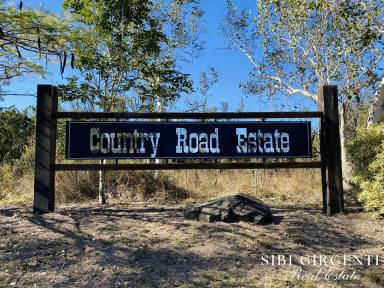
x: 64, y: 63
x: 312, y: 5
x: 73, y: 61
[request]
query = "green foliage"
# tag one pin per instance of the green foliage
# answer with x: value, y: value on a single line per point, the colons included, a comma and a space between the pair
x: 310, y: 43
x: 364, y: 148
x: 17, y: 152
x: 367, y: 152
x: 16, y: 130
x: 372, y: 194
x: 125, y: 51
x: 25, y: 37
x: 60, y: 139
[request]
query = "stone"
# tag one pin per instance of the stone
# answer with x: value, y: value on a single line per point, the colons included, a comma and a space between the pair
x: 239, y: 207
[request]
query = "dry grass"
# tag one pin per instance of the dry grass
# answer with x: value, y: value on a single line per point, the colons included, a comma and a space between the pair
x: 277, y: 186
x: 184, y: 186
x: 15, y: 190
x: 294, y: 187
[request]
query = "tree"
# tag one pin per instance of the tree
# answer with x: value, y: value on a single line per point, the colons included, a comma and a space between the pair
x: 306, y: 44
x: 16, y: 130
x: 126, y: 53
x: 26, y: 36
x: 206, y: 80
x: 376, y: 110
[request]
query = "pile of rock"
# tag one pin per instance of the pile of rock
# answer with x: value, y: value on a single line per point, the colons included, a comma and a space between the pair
x: 239, y: 207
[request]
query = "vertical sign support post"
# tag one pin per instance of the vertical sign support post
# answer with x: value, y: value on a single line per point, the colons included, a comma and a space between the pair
x: 323, y: 165
x: 45, y: 154
x: 331, y: 150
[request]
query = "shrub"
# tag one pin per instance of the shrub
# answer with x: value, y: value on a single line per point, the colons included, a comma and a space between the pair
x: 367, y: 155
x: 364, y: 148
x: 76, y: 186
x: 16, y: 157
x: 372, y: 193
x: 16, y: 130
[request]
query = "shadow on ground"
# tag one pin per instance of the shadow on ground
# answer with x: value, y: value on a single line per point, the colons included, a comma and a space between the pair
x: 155, y: 247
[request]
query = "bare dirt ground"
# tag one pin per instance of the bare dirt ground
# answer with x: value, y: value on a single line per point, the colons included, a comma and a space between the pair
x: 151, y: 246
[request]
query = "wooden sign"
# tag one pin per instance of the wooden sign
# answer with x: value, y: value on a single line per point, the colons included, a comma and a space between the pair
x: 173, y: 140
x: 146, y: 139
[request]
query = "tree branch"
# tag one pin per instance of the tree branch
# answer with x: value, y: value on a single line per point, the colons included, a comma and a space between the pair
x: 289, y: 89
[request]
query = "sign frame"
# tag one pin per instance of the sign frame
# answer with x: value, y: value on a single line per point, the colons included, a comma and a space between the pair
x: 309, y: 151
x: 46, y: 137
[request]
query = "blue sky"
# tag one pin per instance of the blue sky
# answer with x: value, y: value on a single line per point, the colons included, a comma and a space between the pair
x: 231, y: 65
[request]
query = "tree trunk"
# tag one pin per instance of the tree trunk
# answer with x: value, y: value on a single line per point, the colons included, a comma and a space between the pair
x: 102, y: 196
x: 376, y: 110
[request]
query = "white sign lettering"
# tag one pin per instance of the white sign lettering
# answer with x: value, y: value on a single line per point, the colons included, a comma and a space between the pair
x: 261, y: 142
x: 187, y: 141
x: 194, y: 142
x: 118, y: 143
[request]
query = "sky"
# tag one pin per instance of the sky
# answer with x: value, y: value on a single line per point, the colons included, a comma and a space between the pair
x: 231, y: 65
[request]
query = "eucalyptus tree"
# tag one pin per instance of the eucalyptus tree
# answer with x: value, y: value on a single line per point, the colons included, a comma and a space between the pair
x: 376, y: 111
x: 126, y: 52
x: 296, y: 46
x: 28, y: 39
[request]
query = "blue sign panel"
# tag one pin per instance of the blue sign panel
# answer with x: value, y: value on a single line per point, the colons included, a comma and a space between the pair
x: 172, y: 140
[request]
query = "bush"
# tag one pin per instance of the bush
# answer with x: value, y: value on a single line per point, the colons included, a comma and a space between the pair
x: 76, y: 186
x: 16, y: 157
x: 16, y: 130
x: 373, y: 189
x: 367, y: 153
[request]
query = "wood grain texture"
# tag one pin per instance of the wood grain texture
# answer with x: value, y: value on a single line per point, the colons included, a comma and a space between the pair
x: 331, y: 150
x: 45, y: 154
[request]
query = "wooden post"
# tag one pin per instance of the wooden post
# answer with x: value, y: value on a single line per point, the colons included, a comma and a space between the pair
x: 102, y: 196
x: 45, y: 153
x: 323, y: 165
x: 331, y: 150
